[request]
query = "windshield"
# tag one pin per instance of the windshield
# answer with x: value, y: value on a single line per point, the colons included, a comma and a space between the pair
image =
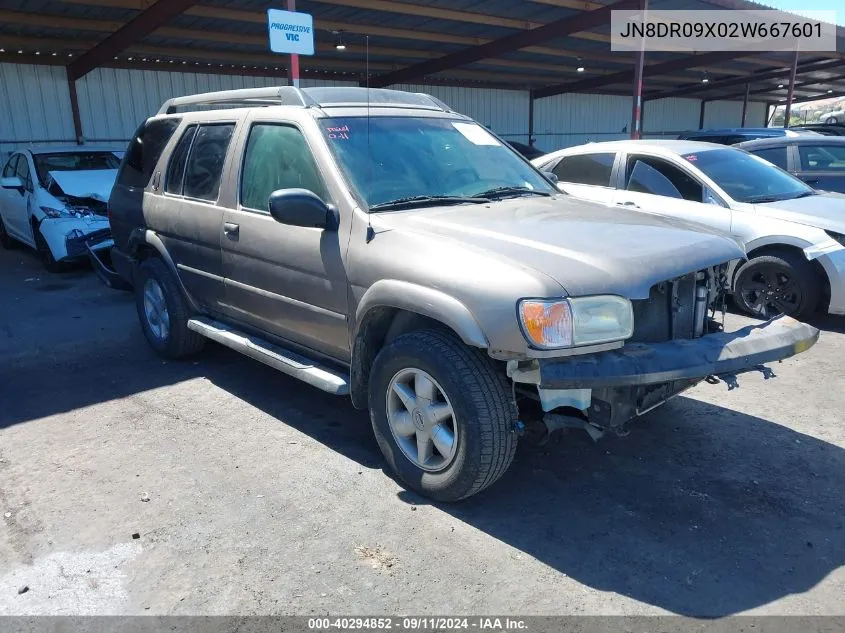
x: 747, y: 178
x: 426, y: 159
x: 73, y: 161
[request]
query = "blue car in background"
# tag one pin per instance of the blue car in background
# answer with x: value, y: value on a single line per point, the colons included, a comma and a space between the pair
x: 731, y: 136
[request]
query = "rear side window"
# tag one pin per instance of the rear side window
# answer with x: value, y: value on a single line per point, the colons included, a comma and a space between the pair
x: 775, y: 155
x: 176, y: 167
x: 9, y: 169
x: 822, y: 157
x: 277, y: 157
x: 646, y: 174
x: 205, y: 162
x: 144, y: 151
x: 22, y: 172
x: 586, y: 169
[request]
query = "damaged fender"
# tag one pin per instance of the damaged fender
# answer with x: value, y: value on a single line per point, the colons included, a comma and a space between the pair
x: 830, y: 254
x: 66, y: 236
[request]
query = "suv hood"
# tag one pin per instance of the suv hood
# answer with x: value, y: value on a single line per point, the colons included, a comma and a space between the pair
x: 824, y: 211
x: 587, y: 248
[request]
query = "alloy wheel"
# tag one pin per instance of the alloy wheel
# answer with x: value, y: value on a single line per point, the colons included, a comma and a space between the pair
x: 155, y: 310
x: 771, y: 291
x: 422, y: 419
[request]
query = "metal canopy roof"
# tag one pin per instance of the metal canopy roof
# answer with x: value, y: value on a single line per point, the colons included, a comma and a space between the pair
x: 521, y: 44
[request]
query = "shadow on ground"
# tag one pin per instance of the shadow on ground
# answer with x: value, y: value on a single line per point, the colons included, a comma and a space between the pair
x: 700, y: 511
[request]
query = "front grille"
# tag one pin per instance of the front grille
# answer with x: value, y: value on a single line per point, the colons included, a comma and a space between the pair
x: 669, y: 311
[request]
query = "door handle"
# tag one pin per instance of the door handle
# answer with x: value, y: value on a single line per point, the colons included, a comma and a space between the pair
x: 628, y: 203
x: 231, y: 230
x: 810, y: 181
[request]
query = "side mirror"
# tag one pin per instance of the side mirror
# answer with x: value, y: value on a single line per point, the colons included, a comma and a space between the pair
x: 12, y: 182
x: 551, y: 176
x: 301, y: 207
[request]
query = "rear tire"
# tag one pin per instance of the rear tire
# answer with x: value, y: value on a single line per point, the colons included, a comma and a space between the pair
x: 780, y: 282
x: 164, y: 312
x: 481, y: 424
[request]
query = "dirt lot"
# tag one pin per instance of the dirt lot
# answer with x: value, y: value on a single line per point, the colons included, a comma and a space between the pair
x: 251, y: 493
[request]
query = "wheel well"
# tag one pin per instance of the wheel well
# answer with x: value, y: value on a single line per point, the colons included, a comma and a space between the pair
x: 774, y: 249
x: 379, y: 327
x: 143, y: 251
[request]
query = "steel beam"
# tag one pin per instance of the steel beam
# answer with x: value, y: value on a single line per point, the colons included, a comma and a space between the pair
x: 652, y: 70
x: 559, y: 28
x: 74, y: 109
x: 791, y: 94
x: 829, y: 81
x: 637, y: 100
x: 130, y: 33
x: 745, y: 105
x: 738, y: 81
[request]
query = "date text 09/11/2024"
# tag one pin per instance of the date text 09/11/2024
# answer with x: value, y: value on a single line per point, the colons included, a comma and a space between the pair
x: 430, y: 623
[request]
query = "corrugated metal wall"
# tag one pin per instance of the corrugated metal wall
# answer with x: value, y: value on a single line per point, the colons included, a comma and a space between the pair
x: 573, y: 119
x: 113, y: 101
x: 666, y: 118
x: 503, y: 111
x: 729, y: 114
x: 35, y: 106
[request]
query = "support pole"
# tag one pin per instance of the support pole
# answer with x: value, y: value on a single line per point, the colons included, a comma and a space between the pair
x: 636, y: 106
x: 74, y: 109
x: 531, y: 120
x: 701, y: 115
x: 293, y: 67
x: 791, y: 93
x: 745, y: 105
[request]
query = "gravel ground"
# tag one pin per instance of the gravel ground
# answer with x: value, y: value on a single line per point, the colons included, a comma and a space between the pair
x: 129, y: 485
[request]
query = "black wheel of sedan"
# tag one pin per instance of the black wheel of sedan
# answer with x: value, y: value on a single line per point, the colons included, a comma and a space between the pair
x: 46, y: 255
x: 5, y: 239
x: 777, y: 283
x: 442, y: 415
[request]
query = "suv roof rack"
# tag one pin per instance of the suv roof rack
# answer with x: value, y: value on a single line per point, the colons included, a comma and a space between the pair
x: 328, y: 97
x: 275, y: 95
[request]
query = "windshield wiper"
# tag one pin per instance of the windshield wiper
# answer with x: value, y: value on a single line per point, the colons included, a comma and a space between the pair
x: 763, y: 199
x: 424, y: 201
x: 769, y: 198
x: 504, y: 192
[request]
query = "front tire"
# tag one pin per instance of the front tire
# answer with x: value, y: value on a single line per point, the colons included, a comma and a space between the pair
x: 780, y: 282
x: 442, y: 415
x: 45, y: 254
x: 164, y: 312
x: 6, y: 240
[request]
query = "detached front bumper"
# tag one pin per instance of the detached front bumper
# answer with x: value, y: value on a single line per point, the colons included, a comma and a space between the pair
x: 722, y: 353
x: 100, y: 254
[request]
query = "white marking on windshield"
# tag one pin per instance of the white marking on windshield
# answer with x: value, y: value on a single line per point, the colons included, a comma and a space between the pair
x: 476, y: 134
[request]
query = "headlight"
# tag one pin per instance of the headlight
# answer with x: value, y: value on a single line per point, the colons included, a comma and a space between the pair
x: 552, y: 324
x: 53, y: 212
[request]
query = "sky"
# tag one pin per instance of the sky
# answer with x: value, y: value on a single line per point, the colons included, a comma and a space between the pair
x: 814, y: 5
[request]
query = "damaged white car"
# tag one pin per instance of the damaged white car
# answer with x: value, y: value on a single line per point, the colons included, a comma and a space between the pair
x: 55, y: 200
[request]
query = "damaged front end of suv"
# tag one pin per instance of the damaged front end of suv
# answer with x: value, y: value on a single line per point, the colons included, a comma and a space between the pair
x: 673, y: 340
